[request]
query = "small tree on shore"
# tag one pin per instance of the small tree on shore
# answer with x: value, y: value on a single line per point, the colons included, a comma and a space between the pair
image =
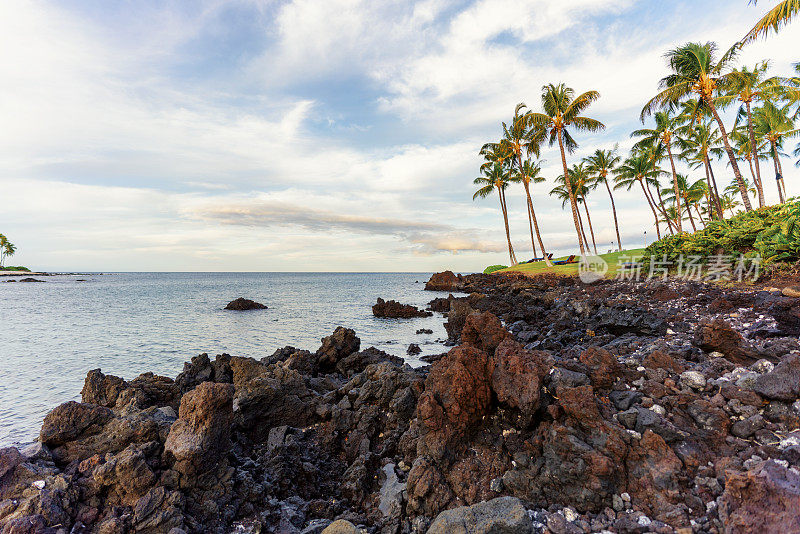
x: 7, y: 248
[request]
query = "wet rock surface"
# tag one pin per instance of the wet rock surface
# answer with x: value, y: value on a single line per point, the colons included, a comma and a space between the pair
x: 617, y: 407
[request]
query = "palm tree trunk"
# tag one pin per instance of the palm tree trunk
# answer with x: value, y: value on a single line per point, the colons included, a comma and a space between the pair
x: 675, y: 184
x: 583, y: 230
x: 573, y: 204
x: 731, y: 155
x: 780, y: 170
x: 689, y: 211
x: 664, y: 210
x: 511, y: 256
x: 700, y: 214
x: 614, y: 211
x: 591, y: 230
x: 778, y: 176
x: 655, y: 215
x: 536, y: 227
x: 712, y: 188
x: 530, y: 225
x: 754, y: 155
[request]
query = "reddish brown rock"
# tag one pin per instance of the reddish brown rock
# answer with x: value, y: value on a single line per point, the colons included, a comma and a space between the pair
x: 484, y: 331
x: 457, y: 396
x: 517, y: 377
x: 395, y: 310
x: 764, y: 499
x: 718, y: 336
x: 342, y: 343
x: 603, y: 367
x: 661, y: 360
x: 202, y: 431
x: 427, y: 490
x: 101, y: 389
x: 444, y: 281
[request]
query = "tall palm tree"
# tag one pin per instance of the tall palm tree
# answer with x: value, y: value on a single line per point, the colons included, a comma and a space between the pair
x: 662, y: 134
x: 695, y: 70
x: 580, y: 179
x: 636, y: 169
x: 599, y: 165
x: 778, y: 16
x: 748, y: 86
x: 562, y: 113
x: 495, y: 177
x: 521, y: 136
x: 655, y: 154
x: 563, y: 194
x: 745, y: 150
x: 690, y: 195
x: 774, y: 124
x: 530, y: 173
x: 698, y: 144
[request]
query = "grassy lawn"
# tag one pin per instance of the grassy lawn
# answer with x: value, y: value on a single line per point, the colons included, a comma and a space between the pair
x: 540, y: 267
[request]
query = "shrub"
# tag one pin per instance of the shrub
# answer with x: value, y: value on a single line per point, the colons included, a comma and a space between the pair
x: 493, y: 268
x: 771, y: 232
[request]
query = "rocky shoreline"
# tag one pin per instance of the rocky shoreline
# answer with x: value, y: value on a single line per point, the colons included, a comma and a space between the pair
x: 661, y: 406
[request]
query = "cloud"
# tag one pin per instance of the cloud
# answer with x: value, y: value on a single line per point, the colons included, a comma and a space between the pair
x: 425, y: 237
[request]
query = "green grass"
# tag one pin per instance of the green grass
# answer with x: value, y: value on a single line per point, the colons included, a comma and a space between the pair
x: 12, y: 268
x: 540, y: 267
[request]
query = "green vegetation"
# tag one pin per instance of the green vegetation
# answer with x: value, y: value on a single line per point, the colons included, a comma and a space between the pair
x: 687, y: 127
x: 6, y: 249
x: 15, y: 268
x: 492, y: 268
x: 772, y: 233
x: 614, y: 259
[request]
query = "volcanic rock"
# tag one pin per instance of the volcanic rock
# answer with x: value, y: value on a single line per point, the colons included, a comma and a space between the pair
x: 444, y: 281
x: 395, y: 310
x: 243, y: 304
x: 202, y: 432
x: 783, y: 382
x: 504, y: 515
x: 718, y: 336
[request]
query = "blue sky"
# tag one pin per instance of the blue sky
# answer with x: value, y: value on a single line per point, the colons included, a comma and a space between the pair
x: 311, y: 135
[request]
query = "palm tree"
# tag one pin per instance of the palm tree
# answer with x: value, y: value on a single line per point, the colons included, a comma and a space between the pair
x: 774, y: 124
x: 747, y: 86
x: 655, y: 154
x: 778, y: 16
x: 530, y: 174
x: 599, y: 165
x: 744, y: 149
x: 521, y: 136
x: 698, y: 143
x: 561, y: 114
x: 690, y: 195
x: 662, y: 134
x: 494, y: 177
x: 579, y: 177
x: 636, y: 169
x: 562, y: 193
x: 7, y: 248
x: 695, y: 70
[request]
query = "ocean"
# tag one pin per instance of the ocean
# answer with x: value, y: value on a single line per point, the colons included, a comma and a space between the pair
x: 126, y: 324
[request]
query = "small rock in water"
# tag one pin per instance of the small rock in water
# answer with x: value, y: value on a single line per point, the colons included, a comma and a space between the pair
x: 424, y: 331
x: 243, y: 304
x: 413, y: 349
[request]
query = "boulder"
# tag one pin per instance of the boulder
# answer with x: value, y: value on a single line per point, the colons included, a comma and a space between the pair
x: 395, y: 310
x: 661, y: 360
x: 201, y: 434
x: 763, y: 499
x: 243, y: 304
x: 341, y: 526
x: 718, y: 336
x: 444, y: 281
x: 504, y: 515
x: 603, y: 367
x: 342, y: 343
x: 358, y: 361
x: 460, y: 309
x: 484, y: 331
x: 101, y: 389
x: 457, y: 396
x: 783, y: 382
x: 518, y: 375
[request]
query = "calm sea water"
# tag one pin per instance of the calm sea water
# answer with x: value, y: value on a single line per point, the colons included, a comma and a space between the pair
x: 51, y: 334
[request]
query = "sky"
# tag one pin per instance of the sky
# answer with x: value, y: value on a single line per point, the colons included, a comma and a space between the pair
x: 310, y: 135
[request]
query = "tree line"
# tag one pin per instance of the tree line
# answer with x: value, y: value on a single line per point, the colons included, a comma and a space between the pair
x: 686, y: 126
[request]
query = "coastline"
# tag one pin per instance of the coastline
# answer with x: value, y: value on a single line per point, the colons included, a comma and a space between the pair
x: 619, y: 405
